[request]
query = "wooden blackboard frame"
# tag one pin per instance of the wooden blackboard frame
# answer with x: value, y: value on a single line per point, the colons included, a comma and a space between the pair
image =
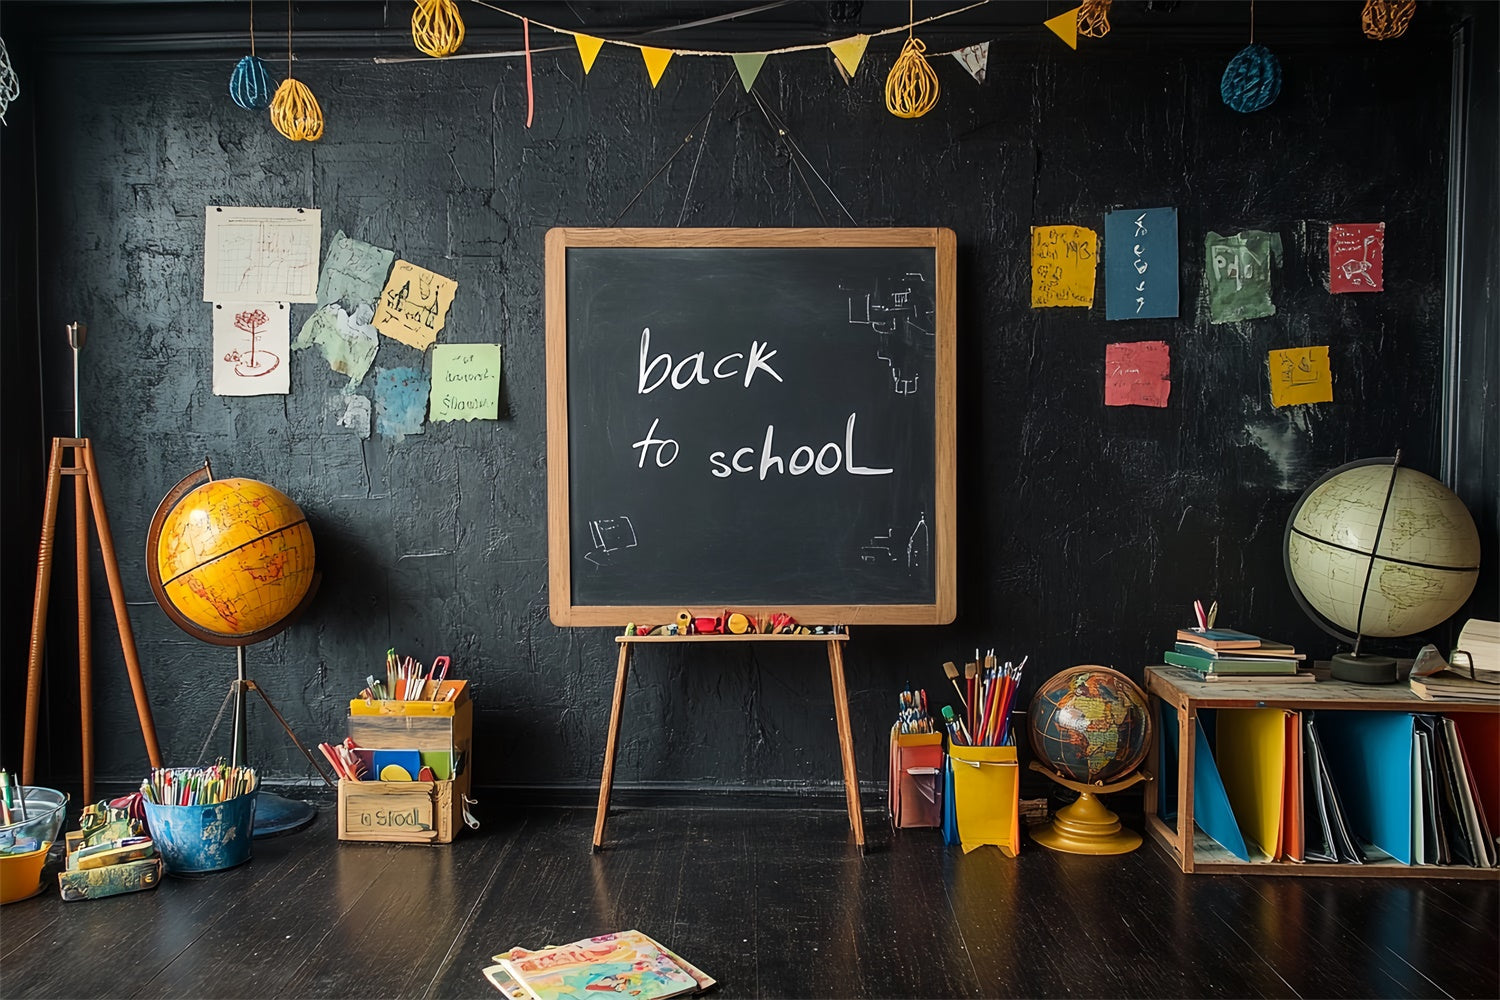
x: 564, y: 612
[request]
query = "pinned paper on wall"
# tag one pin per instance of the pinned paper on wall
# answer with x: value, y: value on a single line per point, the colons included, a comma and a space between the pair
x: 356, y: 415
x: 1238, y: 273
x: 414, y: 305
x: 1300, y: 375
x: 251, y: 349
x: 1137, y: 374
x: 353, y: 271
x: 465, y: 382
x: 348, y: 342
x: 1356, y: 257
x: 400, y: 401
x: 975, y: 59
x: 1140, y: 263
x: 261, y: 254
x: 1063, y: 261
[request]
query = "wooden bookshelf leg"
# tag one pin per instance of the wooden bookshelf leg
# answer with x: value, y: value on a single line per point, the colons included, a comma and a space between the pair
x: 1187, y: 757
x: 846, y: 741
x: 611, y: 745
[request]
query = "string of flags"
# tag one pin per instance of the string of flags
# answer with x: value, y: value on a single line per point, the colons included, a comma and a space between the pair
x: 1251, y: 81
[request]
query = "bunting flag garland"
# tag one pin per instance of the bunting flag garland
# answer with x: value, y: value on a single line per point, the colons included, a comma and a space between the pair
x: 975, y: 59
x: 1065, y: 26
x: 656, y: 62
x: 849, y: 51
x: 588, y: 50
x: 749, y: 64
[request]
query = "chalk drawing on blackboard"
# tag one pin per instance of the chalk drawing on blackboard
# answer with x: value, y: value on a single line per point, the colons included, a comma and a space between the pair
x: 609, y: 535
x: 885, y: 549
x: 900, y: 314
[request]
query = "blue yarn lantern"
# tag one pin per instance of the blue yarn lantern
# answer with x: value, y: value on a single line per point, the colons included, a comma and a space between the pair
x: 250, y: 85
x: 1252, y: 80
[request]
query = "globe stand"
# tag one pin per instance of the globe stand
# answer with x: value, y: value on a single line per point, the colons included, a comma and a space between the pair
x: 1086, y: 826
x: 1364, y: 668
x: 274, y: 814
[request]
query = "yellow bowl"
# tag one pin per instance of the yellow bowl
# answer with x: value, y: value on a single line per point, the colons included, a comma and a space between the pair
x: 21, y: 874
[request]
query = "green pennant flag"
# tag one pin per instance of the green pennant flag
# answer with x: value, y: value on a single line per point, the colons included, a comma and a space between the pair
x: 749, y: 64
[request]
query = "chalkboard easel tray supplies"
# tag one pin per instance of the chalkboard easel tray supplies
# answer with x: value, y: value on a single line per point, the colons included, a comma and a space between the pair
x: 751, y: 418
x: 730, y: 623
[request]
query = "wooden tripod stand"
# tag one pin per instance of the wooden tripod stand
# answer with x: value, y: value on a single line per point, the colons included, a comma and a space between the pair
x: 87, y: 495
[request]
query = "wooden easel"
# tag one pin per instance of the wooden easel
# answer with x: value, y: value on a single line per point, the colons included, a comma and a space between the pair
x: 87, y: 495
x: 840, y: 712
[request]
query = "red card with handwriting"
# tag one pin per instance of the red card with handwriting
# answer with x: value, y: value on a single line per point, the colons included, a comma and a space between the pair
x: 1356, y: 257
x: 1137, y: 374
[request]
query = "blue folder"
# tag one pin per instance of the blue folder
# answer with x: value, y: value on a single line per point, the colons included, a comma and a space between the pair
x: 1211, y: 809
x: 1369, y: 756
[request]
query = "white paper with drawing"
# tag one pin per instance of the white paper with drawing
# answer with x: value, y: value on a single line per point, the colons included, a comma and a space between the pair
x: 261, y: 254
x: 252, y: 348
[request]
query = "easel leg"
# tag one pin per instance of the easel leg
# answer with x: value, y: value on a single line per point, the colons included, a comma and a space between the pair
x: 85, y: 626
x: 611, y: 745
x: 39, y: 614
x: 846, y: 740
x: 122, y: 618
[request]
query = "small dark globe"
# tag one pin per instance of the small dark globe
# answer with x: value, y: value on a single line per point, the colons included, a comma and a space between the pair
x: 1090, y: 724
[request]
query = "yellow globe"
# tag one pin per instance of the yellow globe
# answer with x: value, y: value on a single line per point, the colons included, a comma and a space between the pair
x: 235, y: 557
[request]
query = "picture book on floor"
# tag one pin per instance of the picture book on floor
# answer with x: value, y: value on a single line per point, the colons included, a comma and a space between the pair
x: 628, y: 962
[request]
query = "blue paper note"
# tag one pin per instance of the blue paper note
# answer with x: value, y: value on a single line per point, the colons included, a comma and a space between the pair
x: 1140, y: 263
x: 400, y: 401
x: 1369, y: 756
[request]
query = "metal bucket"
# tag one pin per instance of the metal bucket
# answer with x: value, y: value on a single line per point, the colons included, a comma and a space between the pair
x: 194, y: 839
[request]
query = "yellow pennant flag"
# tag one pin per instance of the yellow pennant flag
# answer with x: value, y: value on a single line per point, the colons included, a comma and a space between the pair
x: 588, y: 48
x: 656, y: 62
x: 1065, y: 26
x: 849, y: 51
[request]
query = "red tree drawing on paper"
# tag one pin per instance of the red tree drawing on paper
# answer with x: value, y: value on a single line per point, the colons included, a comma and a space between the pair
x: 250, y: 322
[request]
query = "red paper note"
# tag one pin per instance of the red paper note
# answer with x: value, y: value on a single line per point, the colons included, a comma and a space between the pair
x: 1137, y: 374
x: 1356, y: 257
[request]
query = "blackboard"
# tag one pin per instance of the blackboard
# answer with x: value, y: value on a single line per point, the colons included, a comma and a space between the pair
x: 751, y: 419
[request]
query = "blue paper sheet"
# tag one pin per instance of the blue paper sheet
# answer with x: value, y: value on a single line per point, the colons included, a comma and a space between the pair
x: 1140, y: 263
x: 1369, y: 757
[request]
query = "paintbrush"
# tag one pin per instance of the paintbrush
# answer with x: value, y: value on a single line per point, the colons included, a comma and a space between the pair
x: 951, y: 669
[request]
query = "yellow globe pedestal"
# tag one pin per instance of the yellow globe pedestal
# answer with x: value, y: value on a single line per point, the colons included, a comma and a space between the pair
x: 1086, y: 826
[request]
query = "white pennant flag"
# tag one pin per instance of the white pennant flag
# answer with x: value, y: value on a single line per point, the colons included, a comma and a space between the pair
x: 975, y: 59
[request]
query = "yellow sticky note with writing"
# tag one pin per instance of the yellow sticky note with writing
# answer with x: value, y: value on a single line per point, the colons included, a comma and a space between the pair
x: 1063, y: 261
x: 1300, y: 375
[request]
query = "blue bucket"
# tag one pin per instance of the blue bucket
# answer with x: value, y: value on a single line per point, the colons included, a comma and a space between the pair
x: 193, y: 839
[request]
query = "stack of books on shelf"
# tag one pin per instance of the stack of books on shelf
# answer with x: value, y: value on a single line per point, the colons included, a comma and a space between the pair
x: 1473, y: 673
x: 1221, y: 654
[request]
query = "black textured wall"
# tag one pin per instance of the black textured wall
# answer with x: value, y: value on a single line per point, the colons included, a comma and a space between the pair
x: 1085, y: 532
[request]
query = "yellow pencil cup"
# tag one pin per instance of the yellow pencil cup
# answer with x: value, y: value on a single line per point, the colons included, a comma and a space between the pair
x: 987, y: 797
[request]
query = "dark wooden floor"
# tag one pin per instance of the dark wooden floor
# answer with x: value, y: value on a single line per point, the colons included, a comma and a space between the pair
x: 772, y: 903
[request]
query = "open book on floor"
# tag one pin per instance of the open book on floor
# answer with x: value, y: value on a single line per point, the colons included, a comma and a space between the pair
x: 626, y: 962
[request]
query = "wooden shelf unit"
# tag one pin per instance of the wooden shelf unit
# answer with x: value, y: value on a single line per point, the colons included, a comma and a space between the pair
x: 1183, y: 691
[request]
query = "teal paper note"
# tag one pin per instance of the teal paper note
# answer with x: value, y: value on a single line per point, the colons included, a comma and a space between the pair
x: 465, y: 382
x: 400, y: 401
x: 1238, y: 275
x: 353, y: 272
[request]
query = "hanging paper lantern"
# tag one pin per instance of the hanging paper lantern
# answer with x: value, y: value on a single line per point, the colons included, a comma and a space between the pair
x: 1093, y: 18
x: 436, y: 27
x: 1252, y: 80
x: 295, y: 112
x: 10, y: 86
x: 1386, y: 19
x: 912, y: 88
x: 250, y: 85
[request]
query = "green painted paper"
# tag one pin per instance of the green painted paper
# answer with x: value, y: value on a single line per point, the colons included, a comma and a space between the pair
x: 1238, y: 275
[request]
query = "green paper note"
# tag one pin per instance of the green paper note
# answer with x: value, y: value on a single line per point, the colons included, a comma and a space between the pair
x: 465, y: 382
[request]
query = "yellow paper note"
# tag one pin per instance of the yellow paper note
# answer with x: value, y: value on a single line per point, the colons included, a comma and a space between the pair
x: 1063, y: 260
x: 1251, y: 753
x: 1300, y: 375
x: 414, y: 305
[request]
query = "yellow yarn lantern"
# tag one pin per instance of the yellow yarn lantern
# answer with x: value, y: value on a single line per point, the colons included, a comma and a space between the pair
x: 1386, y: 19
x: 1093, y: 18
x: 295, y: 112
x: 436, y: 27
x: 912, y: 88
